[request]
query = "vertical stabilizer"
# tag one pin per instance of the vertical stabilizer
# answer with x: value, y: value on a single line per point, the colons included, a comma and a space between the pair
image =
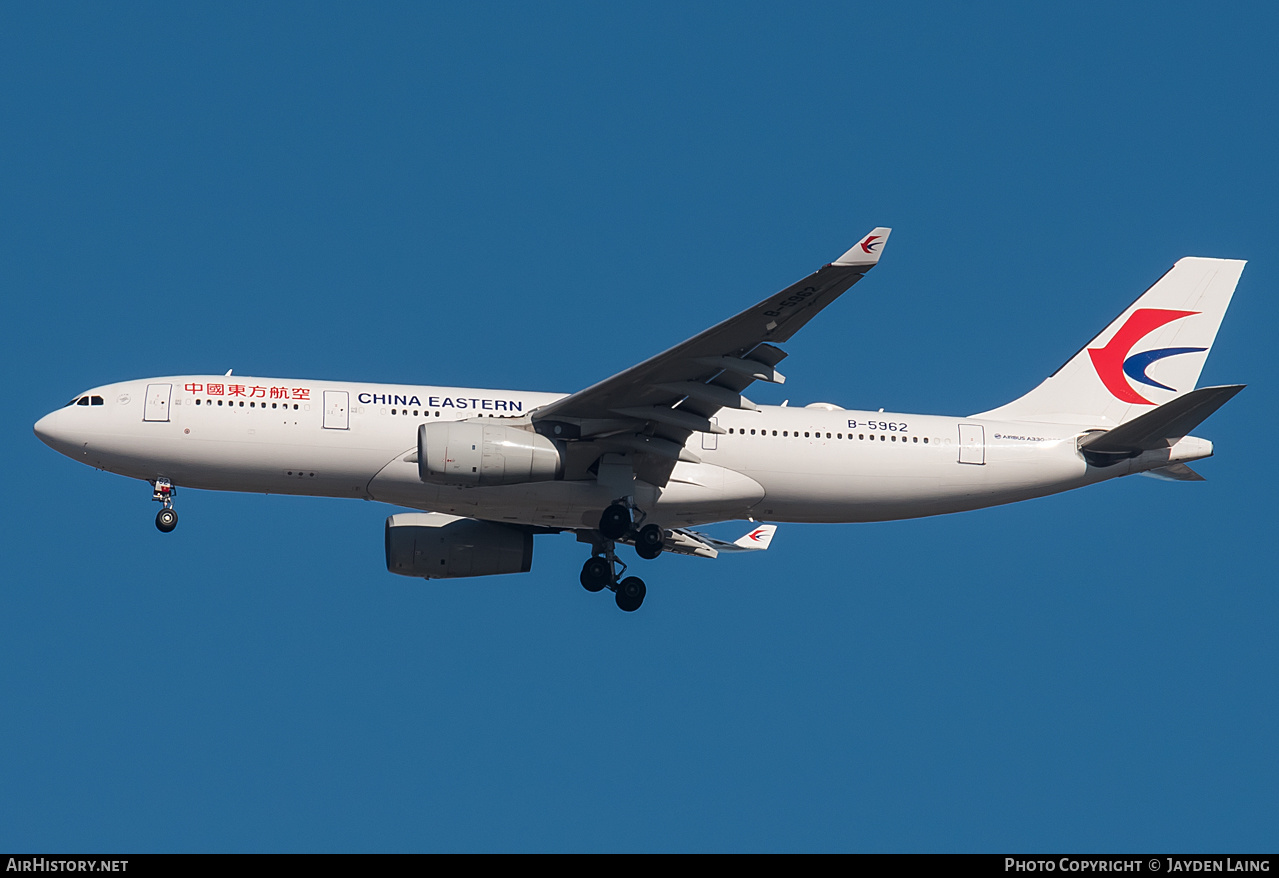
x: 1151, y: 354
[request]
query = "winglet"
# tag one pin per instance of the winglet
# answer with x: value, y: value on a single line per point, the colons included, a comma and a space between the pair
x: 759, y: 538
x: 689, y: 542
x: 866, y: 251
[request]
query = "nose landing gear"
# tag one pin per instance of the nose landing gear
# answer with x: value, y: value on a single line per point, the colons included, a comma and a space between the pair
x: 167, y: 518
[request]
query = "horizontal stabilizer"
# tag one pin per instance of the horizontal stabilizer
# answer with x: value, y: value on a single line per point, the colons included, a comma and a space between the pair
x: 1178, y: 472
x: 1162, y: 427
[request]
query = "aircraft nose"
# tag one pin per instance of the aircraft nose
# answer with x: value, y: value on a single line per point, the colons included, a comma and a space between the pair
x: 49, y: 432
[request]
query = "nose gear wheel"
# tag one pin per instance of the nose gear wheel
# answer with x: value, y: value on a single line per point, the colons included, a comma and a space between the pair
x: 162, y: 491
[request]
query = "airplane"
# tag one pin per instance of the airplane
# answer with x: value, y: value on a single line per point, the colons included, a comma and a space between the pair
x: 644, y: 457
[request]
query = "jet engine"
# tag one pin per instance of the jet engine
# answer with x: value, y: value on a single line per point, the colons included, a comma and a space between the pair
x: 437, y: 546
x: 476, y: 453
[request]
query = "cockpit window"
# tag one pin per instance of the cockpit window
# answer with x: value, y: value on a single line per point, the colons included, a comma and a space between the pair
x: 95, y: 400
x: 74, y: 401
x: 84, y: 400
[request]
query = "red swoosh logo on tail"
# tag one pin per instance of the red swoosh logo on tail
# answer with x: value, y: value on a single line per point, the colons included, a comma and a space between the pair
x: 1109, y: 360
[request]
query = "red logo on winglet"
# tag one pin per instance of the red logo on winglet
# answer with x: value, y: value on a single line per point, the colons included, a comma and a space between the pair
x: 870, y: 242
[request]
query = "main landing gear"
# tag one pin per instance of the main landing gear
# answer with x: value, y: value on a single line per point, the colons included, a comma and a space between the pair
x: 603, y: 569
x: 616, y: 523
x: 167, y: 518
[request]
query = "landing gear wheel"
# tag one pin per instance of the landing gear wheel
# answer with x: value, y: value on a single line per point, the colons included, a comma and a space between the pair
x: 648, y: 542
x: 596, y: 573
x: 615, y: 522
x: 630, y: 594
x: 166, y: 520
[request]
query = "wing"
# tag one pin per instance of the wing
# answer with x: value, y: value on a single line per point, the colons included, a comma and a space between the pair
x: 653, y: 407
x: 682, y: 541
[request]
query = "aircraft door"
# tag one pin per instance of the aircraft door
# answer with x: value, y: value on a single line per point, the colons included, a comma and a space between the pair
x: 710, y: 441
x: 337, y: 410
x: 157, y: 407
x: 972, y: 444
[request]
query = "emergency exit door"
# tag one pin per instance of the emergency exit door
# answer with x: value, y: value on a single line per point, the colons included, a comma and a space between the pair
x: 336, y: 410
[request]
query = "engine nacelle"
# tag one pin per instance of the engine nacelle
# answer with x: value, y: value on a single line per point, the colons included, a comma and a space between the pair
x: 478, y: 453
x: 437, y: 546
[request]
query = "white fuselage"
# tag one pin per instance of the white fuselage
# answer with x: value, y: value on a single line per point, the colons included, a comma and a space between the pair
x: 343, y: 439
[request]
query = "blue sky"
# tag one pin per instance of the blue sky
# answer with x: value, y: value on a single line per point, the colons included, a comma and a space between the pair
x: 538, y: 196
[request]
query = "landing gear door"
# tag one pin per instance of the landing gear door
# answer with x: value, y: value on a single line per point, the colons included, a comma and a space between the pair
x: 157, y: 407
x: 336, y: 410
x: 972, y: 444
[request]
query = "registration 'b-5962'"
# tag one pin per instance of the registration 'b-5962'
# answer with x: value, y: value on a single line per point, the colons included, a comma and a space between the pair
x: 887, y: 426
